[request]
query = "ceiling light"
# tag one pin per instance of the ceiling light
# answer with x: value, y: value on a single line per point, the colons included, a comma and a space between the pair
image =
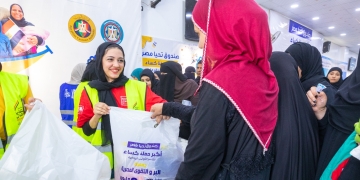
x: 331, y: 27
x: 294, y: 6
x: 315, y: 18
x: 358, y: 44
x: 357, y: 9
x: 342, y: 34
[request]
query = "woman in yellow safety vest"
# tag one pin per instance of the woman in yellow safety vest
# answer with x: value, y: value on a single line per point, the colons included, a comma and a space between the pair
x: 112, y: 88
x: 15, y: 95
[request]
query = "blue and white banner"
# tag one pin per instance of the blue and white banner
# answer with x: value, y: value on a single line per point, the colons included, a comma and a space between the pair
x: 300, y: 30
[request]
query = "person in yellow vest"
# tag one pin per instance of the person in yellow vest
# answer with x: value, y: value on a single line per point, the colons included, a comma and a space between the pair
x: 112, y: 88
x: 15, y: 98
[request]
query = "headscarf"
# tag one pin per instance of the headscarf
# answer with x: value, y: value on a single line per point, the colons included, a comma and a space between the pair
x: 167, y: 81
x: 296, y: 134
x: 190, y: 72
x: 235, y: 60
x: 104, y: 87
x: 345, y: 110
x: 158, y: 73
x: 21, y: 22
x: 77, y: 73
x: 308, y: 58
x: 154, y: 82
x: 90, y: 72
x: 337, y: 84
x: 136, y: 73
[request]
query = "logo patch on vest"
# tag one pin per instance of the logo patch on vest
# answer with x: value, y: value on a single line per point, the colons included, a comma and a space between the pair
x: 81, y: 109
x: 123, y: 100
x: 19, y: 110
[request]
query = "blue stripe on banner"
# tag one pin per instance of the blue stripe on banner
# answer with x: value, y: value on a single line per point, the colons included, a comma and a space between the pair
x: 27, y: 56
x: 16, y: 38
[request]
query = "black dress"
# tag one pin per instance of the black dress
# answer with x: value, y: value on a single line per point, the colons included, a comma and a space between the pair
x: 343, y: 113
x: 221, y: 145
x: 295, y: 136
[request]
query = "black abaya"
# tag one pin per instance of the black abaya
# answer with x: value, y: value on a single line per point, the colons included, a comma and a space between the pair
x: 295, y: 136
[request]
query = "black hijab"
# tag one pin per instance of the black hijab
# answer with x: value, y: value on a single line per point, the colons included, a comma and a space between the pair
x: 337, y: 84
x: 190, y: 72
x: 167, y: 81
x: 154, y: 82
x: 104, y: 87
x: 295, y: 135
x: 158, y: 73
x: 345, y: 110
x: 90, y: 72
x: 21, y: 22
x: 308, y: 58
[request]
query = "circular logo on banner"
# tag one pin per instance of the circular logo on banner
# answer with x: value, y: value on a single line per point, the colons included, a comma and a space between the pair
x: 82, y: 28
x: 111, y: 31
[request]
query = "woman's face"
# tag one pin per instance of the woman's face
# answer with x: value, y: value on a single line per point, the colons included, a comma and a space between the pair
x: 147, y: 80
x: 113, y: 63
x: 16, y: 12
x: 334, y: 76
x: 201, y: 37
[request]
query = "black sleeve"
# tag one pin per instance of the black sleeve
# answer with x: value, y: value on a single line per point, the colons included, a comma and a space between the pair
x: 207, y: 142
x: 87, y: 129
x: 322, y: 124
x: 178, y: 110
x: 351, y: 170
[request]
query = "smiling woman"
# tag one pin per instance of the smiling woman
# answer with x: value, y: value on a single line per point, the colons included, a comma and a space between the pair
x: 112, y: 88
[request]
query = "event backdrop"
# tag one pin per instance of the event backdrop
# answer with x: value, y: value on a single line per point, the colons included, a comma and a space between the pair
x: 57, y: 35
x: 156, y: 51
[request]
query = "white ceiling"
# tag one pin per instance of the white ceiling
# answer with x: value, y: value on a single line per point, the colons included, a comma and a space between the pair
x: 338, y: 13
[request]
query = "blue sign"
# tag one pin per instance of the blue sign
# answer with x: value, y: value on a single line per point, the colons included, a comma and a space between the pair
x: 111, y: 31
x: 300, y: 30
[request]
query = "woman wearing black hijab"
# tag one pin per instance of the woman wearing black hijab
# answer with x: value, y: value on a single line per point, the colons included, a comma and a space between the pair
x: 148, y: 77
x: 335, y: 77
x: 190, y: 72
x: 295, y: 136
x: 343, y: 113
x: 174, y: 86
x: 309, y: 61
x: 110, y: 88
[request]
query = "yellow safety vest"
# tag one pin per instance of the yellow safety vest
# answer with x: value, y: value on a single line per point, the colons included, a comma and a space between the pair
x: 14, y: 88
x: 135, y: 96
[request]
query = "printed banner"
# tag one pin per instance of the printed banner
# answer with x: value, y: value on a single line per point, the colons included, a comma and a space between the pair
x: 156, y: 51
x: 286, y: 32
x: 45, y: 39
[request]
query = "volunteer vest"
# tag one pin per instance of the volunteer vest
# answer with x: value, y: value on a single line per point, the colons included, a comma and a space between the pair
x: 77, y: 96
x: 66, y: 96
x: 135, y: 96
x: 14, y: 88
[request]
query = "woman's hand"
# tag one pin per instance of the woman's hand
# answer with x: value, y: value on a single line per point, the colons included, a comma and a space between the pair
x: 32, y: 40
x: 31, y: 103
x: 101, y: 109
x: 19, y: 48
x: 317, y: 101
x: 156, y: 110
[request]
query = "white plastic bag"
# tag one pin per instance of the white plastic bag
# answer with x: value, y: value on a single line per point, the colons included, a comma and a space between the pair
x: 44, y: 148
x: 142, y: 151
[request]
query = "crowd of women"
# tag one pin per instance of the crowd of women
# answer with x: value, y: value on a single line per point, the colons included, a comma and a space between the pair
x: 255, y: 114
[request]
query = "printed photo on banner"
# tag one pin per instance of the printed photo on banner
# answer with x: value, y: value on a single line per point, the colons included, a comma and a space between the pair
x: 20, y: 40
